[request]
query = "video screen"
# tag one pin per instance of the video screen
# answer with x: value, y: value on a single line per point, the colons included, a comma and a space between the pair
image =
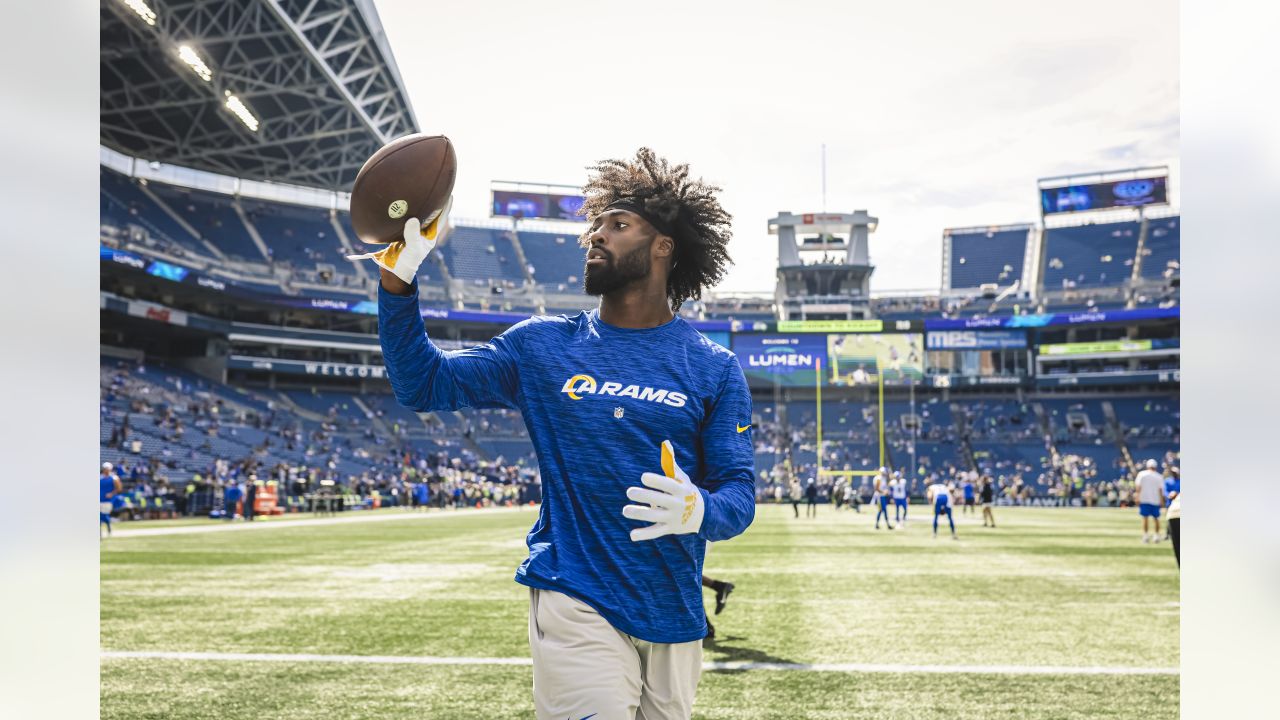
x: 167, y: 271
x: 551, y: 206
x: 857, y: 359
x: 1099, y: 196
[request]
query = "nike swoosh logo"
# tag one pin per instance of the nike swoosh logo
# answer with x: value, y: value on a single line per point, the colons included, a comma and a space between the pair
x: 743, y: 427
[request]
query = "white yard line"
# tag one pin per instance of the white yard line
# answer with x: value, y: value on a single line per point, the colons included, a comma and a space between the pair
x: 356, y: 517
x: 795, y: 667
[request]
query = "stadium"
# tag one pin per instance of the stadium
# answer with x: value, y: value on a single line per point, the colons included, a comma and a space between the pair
x: 242, y: 387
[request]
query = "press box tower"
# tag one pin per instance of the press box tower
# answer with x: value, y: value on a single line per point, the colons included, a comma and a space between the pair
x: 824, y: 268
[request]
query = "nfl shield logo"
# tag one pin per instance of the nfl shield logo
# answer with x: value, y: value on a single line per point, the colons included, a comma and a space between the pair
x: 617, y: 412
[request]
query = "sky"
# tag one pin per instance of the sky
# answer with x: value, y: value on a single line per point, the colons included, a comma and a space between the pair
x: 934, y: 114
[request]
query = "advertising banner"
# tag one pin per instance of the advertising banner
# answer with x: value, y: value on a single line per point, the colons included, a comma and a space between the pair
x: 122, y: 257
x: 790, y: 360
x: 1048, y: 319
x: 1091, y: 348
x: 976, y: 340
x: 825, y: 326
x: 306, y: 367
x: 152, y: 311
x: 1115, y: 378
x: 946, y: 381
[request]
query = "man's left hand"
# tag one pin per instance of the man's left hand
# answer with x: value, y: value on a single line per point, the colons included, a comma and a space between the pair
x: 670, y: 501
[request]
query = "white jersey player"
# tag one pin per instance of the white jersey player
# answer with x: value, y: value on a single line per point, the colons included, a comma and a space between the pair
x: 940, y: 497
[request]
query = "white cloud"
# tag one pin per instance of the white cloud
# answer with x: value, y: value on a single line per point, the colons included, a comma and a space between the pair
x: 934, y: 114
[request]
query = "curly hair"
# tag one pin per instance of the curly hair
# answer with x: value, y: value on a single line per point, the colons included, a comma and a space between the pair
x: 700, y: 225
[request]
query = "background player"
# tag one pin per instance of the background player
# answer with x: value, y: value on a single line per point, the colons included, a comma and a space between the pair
x: 616, y: 617
x: 811, y: 499
x: 939, y: 496
x: 722, y: 590
x: 1172, y: 486
x: 1148, y: 487
x: 108, y: 487
x: 899, y: 490
x: 880, y: 497
x: 968, y: 489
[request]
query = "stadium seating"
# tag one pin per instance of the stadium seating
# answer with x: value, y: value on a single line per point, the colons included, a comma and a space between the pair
x: 1161, y: 247
x: 1010, y: 457
x: 333, y: 436
x: 122, y: 203
x: 214, y: 217
x: 1090, y: 255
x: 556, y: 258
x: 1059, y: 411
x: 298, y: 235
x: 334, y: 405
x: 251, y: 423
x: 994, y: 256
x: 473, y: 253
x: 262, y: 285
x: 1148, y: 417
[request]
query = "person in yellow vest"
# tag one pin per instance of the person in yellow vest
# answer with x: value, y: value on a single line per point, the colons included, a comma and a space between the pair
x: 184, y: 501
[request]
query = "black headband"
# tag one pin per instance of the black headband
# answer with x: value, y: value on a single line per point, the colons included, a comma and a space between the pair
x: 631, y: 205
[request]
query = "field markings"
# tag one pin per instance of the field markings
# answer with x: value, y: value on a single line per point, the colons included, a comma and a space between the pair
x: 711, y: 666
x: 311, y: 522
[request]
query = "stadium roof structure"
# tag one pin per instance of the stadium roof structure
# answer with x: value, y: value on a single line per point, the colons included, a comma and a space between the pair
x: 295, y: 91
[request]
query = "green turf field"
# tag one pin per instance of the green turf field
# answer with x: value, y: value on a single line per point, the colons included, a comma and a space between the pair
x: 1049, y: 588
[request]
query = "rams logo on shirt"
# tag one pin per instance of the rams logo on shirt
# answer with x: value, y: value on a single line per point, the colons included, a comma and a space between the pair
x: 579, y: 385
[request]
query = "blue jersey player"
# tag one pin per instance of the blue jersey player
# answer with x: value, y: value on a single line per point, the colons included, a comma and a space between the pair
x: 642, y: 431
x: 108, y: 488
x: 940, y: 497
x: 968, y: 490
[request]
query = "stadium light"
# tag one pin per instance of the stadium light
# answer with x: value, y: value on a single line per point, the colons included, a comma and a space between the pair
x: 193, y: 61
x: 143, y: 10
x: 242, y: 112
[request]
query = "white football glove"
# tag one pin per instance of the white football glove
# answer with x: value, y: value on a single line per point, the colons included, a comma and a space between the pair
x: 674, y: 504
x: 403, y: 257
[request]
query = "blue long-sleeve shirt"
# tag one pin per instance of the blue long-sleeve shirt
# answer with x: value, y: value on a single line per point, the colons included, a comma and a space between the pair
x: 598, y: 401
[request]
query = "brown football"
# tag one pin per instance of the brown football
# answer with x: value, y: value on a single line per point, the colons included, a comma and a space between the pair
x: 408, y: 177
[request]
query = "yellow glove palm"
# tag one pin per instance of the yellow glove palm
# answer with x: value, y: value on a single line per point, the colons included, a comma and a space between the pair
x: 671, y: 501
x: 403, y: 257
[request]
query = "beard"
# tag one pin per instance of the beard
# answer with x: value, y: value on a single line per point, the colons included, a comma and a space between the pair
x: 617, y: 274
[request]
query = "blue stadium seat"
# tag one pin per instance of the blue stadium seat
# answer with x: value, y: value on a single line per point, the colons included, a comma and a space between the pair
x: 296, y: 234
x: 473, y: 253
x: 122, y: 203
x: 1161, y: 250
x: 992, y: 256
x: 1090, y: 255
x: 556, y: 257
x: 214, y: 217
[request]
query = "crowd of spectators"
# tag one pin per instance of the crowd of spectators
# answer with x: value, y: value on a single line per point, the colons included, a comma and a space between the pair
x: 180, y: 444
x: 181, y: 449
